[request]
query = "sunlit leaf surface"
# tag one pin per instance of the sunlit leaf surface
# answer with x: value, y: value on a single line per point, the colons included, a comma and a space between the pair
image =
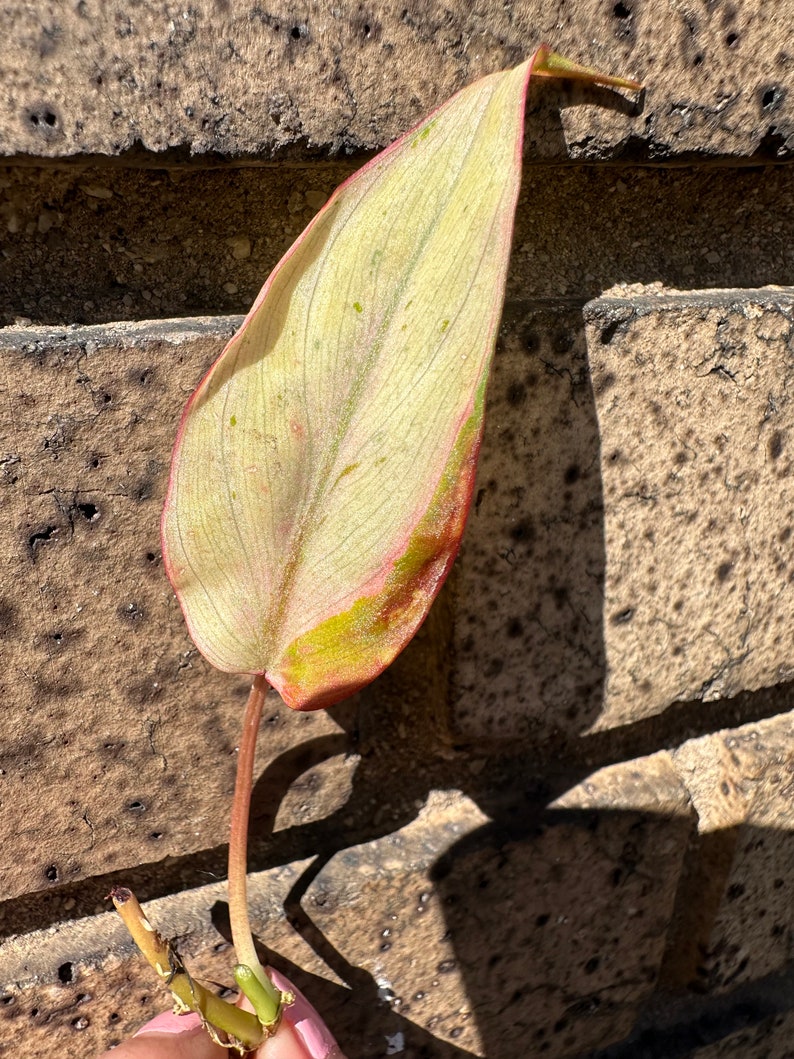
x: 324, y: 466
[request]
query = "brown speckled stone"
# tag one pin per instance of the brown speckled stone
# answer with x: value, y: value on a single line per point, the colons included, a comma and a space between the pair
x: 118, y: 740
x: 453, y: 935
x: 165, y: 242
x: 770, y: 1039
x: 737, y: 927
x: 628, y: 546
x: 259, y: 80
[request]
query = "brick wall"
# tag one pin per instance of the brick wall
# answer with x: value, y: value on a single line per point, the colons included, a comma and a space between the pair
x: 560, y: 824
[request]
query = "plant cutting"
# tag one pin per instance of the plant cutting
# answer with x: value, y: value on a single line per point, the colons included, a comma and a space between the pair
x: 323, y: 468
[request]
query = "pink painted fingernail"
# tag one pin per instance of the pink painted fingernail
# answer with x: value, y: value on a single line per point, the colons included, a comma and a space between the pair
x: 311, y: 1029
x: 168, y: 1022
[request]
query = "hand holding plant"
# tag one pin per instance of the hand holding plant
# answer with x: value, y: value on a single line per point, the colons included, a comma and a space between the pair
x: 301, y: 1035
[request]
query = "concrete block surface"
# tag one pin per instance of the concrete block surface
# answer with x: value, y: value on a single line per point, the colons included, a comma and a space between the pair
x: 454, y: 935
x: 770, y: 1039
x: 119, y: 742
x: 736, y: 922
x: 312, y: 78
x: 99, y: 244
x: 694, y: 424
x: 629, y: 542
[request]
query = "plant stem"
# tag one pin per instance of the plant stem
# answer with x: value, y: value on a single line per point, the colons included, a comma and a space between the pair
x: 241, y: 1027
x: 238, y: 842
x: 266, y: 1002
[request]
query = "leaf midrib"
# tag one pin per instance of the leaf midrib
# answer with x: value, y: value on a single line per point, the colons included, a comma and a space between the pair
x: 322, y: 476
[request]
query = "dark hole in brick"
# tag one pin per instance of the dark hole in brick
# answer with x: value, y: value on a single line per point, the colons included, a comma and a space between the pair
x: 80, y: 1023
x: 591, y: 965
x: 41, y: 536
x: 724, y: 571
x: 297, y: 32
x: 523, y: 531
x: 7, y: 1000
x: 621, y: 11
x: 136, y: 807
x: 34, y: 1012
x: 768, y: 98
x: 66, y: 973
x: 531, y: 341
x: 58, y: 637
x: 114, y: 1016
x: 90, y: 512
x: 155, y: 835
x: 151, y: 557
x: 623, y: 616
x: 367, y: 30
x: 608, y: 332
x: 51, y: 873
x: 734, y: 891
x: 43, y: 116
x: 731, y: 39
x: 562, y: 342
x: 697, y: 60
x: 516, y: 394
x: 494, y: 668
x: 572, y: 474
x: 542, y: 919
x: 514, y: 628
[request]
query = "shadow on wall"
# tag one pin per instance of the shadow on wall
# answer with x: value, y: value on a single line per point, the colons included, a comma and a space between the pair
x: 576, y: 933
x: 560, y: 920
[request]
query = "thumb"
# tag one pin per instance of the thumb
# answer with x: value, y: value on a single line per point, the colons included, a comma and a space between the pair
x: 169, y: 1036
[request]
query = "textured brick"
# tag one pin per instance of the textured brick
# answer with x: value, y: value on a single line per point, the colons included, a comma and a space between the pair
x: 773, y: 1038
x: 253, y: 80
x: 118, y: 740
x: 736, y: 924
x: 695, y: 427
x: 166, y: 241
x: 629, y: 542
x: 457, y: 935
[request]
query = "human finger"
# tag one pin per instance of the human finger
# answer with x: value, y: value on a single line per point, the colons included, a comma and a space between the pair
x: 168, y: 1036
x: 308, y: 1031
